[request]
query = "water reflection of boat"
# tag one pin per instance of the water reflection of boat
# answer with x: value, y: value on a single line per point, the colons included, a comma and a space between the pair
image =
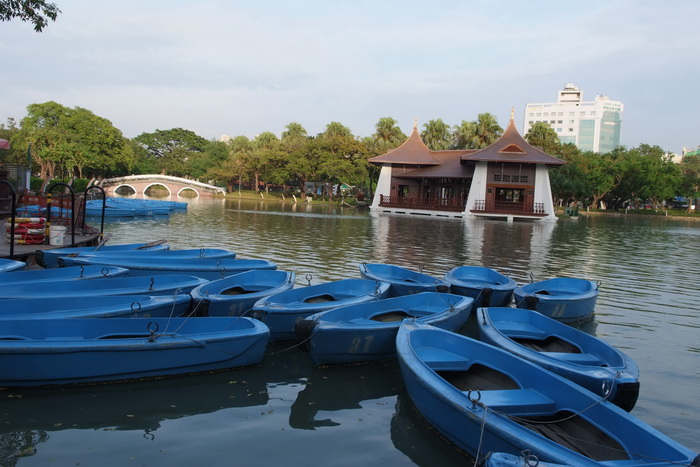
x: 142, y: 405
x: 342, y: 388
x: 412, y: 435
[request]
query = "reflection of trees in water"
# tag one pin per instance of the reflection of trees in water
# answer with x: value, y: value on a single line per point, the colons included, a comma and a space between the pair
x: 19, y: 444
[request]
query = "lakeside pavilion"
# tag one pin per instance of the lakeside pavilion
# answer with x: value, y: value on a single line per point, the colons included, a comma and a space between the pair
x: 508, y: 179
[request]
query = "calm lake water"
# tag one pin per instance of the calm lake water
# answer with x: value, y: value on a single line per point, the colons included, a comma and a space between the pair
x: 286, y: 412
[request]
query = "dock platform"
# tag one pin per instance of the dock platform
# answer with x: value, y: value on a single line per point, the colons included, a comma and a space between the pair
x: 26, y: 252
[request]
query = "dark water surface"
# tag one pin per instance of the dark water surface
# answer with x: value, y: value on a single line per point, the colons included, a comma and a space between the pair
x: 286, y: 412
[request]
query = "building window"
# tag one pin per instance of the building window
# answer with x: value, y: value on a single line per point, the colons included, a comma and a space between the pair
x: 523, y: 179
x: 496, y: 177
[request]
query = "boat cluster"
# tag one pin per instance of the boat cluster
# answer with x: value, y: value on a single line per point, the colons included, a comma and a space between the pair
x: 530, y: 384
x: 111, y: 207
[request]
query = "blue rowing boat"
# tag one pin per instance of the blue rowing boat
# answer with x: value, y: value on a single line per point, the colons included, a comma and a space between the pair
x: 484, y: 399
x: 49, y: 258
x: 147, y: 255
x: 367, y: 332
x: 105, y: 306
x: 486, y: 286
x: 206, y: 268
x: 9, y: 265
x: 87, y: 350
x: 558, y: 347
x: 567, y: 299
x: 60, y: 274
x: 162, y: 284
x: 281, y: 310
x: 235, y: 295
x: 402, y: 281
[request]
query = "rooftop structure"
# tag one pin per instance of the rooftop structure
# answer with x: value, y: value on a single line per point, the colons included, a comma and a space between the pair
x: 591, y: 126
x: 508, y: 179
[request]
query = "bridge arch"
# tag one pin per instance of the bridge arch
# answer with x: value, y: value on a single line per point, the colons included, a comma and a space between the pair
x: 174, y: 185
x: 170, y: 193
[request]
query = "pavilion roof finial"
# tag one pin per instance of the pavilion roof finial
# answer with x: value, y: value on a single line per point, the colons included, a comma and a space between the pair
x: 415, y: 123
x: 512, y: 114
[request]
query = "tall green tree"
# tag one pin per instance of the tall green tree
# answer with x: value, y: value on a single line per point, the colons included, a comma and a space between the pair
x: 387, y: 135
x: 341, y: 158
x: 37, y: 12
x: 174, y: 150
x: 487, y: 131
x: 436, y: 135
x: 463, y: 135
x: 68, y: 141
x: 296, y: 145
x: 690, y: 181
x: 543, y: 136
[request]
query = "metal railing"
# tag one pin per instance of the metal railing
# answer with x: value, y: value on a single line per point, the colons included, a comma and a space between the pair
x: 433, y: 204
x: 510, y: 207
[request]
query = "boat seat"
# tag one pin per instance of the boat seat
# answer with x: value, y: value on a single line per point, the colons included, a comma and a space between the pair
x: 439, y: 359
x: 578, y: 358
x: 521, y: 330
x: 517, y: 401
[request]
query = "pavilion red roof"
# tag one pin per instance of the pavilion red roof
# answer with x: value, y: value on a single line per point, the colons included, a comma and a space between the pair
x: 511, y: 147
x: 412, y: 152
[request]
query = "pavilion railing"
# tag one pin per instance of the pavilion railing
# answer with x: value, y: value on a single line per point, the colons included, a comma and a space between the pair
x: 432, y: 204
x: 509, y: 207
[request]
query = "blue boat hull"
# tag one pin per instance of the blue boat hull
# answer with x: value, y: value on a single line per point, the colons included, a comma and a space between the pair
x: 566, y: 299
x: 185, y: 254
x: 280, y: 311
x: 235, y: 295
x: 143, y: 285
x: 486, y: 286
x: 208, y: 268
x: 106, y: 306
x: 558, y: 347
x: 9, y: 265
x: 64, y: 351
x: 402, y: 281
x: 49, y: 258
x: 44, y: 275
x: 484, y: 399
x: 367, y: 332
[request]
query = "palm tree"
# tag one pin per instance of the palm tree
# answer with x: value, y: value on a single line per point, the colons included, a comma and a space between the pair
x: 294, y: 130
x: 436, y: 135
x: 487, y: 131
x: 387, y: 135
x: 543, y: 136
x: 463, y: 135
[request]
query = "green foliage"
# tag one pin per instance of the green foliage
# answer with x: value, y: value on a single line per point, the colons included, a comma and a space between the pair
x: 66, y: 141
x: 37, y: 12
x: 436, y: 135
x: 173, y: 151
x: 543, y: 136
x: 477, y: 134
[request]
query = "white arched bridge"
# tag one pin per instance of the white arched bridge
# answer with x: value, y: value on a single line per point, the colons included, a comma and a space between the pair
x: 174, y: 185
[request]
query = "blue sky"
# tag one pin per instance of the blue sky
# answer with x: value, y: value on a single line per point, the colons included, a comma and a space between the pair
x: 240, y: 68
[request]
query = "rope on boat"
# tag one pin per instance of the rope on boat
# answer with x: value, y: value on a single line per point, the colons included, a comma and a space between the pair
x: 525, y: 421
x: 481, y: 432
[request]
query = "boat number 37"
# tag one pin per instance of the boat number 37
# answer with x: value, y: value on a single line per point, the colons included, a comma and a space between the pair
x: 559, y: 310
x: 360, y: 344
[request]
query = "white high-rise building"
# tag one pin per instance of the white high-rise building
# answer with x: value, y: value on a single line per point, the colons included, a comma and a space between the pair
x: 591, y: 126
